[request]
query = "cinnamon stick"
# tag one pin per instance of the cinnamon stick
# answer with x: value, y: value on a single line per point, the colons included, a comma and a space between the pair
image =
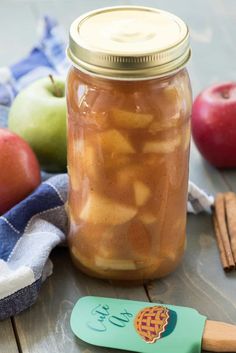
x: 223, y: 257
x: 223, y: 230
x: 230, y: 208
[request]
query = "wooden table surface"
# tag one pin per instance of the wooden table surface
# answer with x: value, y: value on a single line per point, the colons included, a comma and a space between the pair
x: 199, y: 281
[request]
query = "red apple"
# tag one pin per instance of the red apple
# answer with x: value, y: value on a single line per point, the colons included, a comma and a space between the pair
x: 214, y: 124
x: 19, y: 170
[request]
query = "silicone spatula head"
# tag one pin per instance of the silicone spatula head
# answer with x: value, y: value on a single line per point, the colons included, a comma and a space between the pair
x: 137, y: 326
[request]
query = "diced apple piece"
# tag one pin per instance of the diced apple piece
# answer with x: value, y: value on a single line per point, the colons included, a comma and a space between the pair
x: 109, y: 243
x: 98, y: 119
x: 89, y: 162
x: 114, y: 243
x: 171, y: 93
x: 106, y: 100
x: 75, y: 251
x: 75, y: 177
x: 168, y: 255
x: 141, y: 193
x: 170, y: 122
x: 78, y: 145
x: 128, y: 174
x: 114, y: 142
x: 75, y: 148
x: 114, y: 264
x: 161, y: 146
x: 186, y: 137
x: 102, y: 210
x: 169, y: 101
x: 147, y: 217
x: 80, y: 258
x: 130, y: 120
x: 84, y: 162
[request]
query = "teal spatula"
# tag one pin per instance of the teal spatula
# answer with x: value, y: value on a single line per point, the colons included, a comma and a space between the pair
x: 148, y: 327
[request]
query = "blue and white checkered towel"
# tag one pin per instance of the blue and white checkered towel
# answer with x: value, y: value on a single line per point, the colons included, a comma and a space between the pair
x: 30, y: 230
x: 28, y: 233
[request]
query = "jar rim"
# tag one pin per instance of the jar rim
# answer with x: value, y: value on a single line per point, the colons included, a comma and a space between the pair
x: 131, y: 51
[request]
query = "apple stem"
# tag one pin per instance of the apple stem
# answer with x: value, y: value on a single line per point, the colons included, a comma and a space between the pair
x: 56, y: 90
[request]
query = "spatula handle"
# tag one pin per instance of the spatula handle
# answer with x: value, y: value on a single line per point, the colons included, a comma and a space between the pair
x: 219, y: 337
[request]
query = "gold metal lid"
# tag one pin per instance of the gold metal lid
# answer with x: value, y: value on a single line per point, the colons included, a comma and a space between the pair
x: 129, y: 42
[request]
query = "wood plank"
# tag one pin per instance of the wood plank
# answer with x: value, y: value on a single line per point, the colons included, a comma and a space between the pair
x: 45, y: 326
x: 7, y: 337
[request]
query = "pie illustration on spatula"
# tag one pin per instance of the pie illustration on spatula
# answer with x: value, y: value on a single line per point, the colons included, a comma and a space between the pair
x: 152, y: 322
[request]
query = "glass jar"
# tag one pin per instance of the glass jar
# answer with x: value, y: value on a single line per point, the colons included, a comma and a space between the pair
x: 129, y: 108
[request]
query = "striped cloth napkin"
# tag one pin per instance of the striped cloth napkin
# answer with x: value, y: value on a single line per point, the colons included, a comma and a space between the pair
x: 30, y: 230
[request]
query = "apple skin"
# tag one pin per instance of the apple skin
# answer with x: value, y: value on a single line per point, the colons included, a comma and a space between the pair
x: 20, y: 171
x: 39, y: 117
x: 214, y: 124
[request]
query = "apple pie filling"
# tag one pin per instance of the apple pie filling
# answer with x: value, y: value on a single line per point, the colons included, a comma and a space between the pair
x: 128, y: 151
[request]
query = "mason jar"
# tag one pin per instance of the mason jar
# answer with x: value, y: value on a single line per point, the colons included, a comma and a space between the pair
x: 129, y: 106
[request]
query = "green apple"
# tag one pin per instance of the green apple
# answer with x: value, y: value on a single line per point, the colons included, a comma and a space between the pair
x: 38, y: 115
